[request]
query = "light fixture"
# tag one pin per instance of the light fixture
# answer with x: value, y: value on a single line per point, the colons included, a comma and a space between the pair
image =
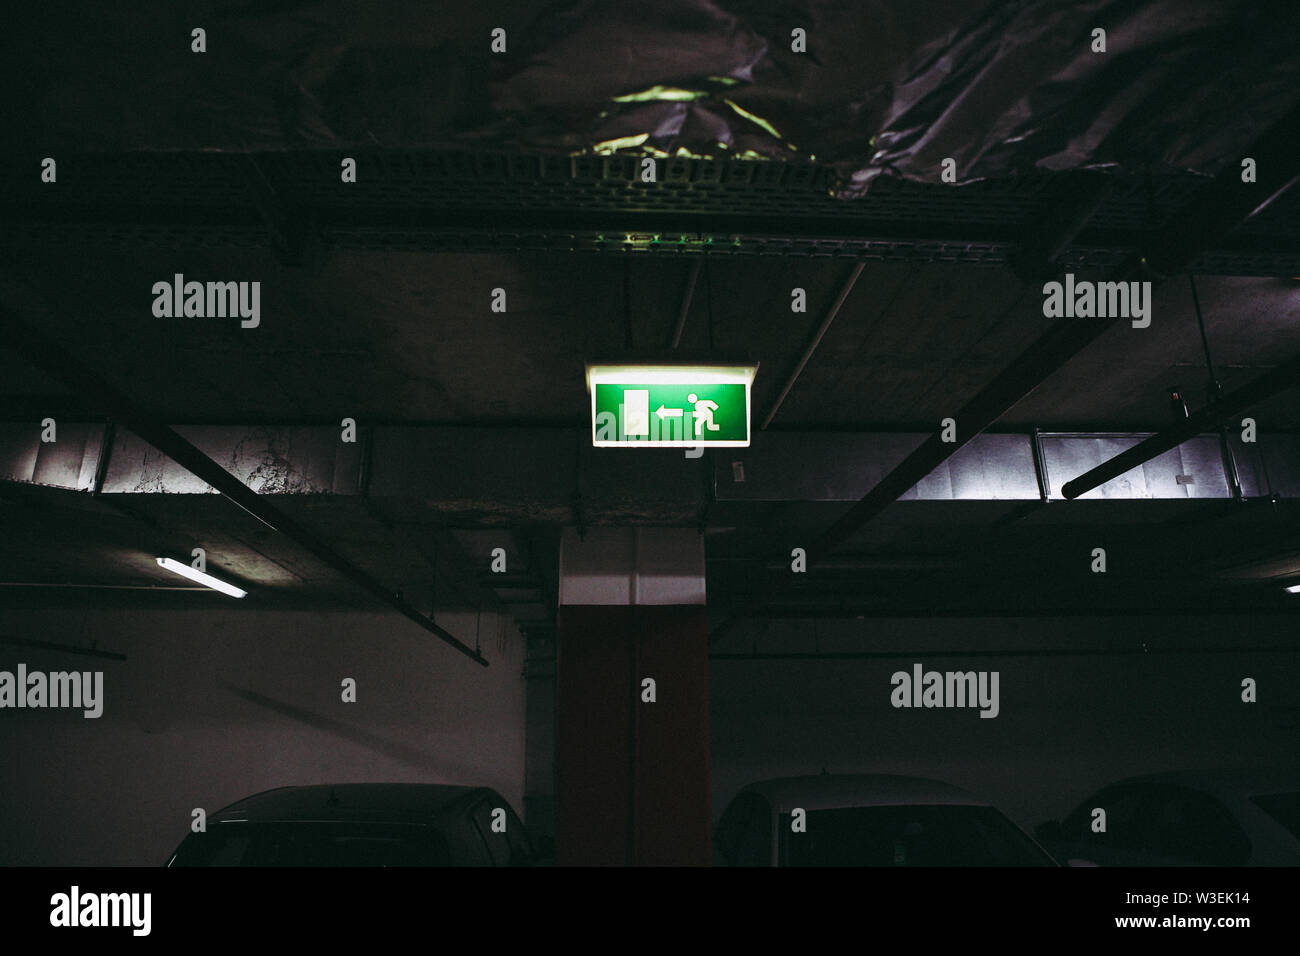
x: 1294, y: 589
x: 202, y: 577
x: 670, y: 405
x: 678, y: 374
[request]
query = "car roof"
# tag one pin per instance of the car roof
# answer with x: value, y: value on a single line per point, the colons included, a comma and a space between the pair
x: 394, y: 802
x: 1222, y: 781
x: 831, y: 791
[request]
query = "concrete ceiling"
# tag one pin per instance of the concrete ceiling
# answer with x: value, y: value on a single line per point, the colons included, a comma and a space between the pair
x: 410, y: 337
x: 391, y: 333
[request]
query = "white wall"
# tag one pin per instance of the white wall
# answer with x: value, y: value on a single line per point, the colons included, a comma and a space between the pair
x: 212, y: 707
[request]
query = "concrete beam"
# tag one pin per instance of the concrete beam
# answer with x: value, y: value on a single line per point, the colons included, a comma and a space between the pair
x: 501, y: 473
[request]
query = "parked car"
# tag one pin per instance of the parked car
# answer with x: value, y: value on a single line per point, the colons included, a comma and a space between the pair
x: 363, y: 824
x: 868, y: 820
x: 1188, y: 818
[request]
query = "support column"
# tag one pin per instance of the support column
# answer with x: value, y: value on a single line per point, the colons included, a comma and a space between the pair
x: 632, y: 708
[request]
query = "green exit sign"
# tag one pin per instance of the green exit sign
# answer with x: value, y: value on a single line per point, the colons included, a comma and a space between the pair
x: 670, y: 406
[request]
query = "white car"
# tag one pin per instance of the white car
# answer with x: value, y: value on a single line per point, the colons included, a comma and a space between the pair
x: 1187, y: 818
x: 867, y: 820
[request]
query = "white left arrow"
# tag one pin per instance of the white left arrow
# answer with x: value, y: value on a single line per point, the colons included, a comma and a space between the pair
x: 664, y: 412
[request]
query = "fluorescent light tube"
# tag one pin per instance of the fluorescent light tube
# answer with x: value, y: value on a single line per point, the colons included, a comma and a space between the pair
x: 671, y: 374
x: 1294, y: 589
x: 185, y: 571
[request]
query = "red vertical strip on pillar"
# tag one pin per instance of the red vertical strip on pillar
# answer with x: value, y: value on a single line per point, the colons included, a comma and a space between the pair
x: 632, y: 778
x: 593, y: 735
x: 673, y: 817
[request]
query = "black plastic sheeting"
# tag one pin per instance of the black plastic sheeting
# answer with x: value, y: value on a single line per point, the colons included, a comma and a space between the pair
x: 885, y: 86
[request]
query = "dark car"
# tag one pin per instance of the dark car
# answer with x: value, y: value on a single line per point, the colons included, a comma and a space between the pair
x: 1188, y: 818
x: 868, y: 820
x: 363, y: 824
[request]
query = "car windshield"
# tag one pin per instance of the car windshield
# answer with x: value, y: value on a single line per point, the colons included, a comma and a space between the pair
x: 313, y: 844
x: 1282, y: 807
x: 938, y: 835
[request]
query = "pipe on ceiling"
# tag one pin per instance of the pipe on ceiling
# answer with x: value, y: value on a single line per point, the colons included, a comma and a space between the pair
x: 59, y: 362
x: 1224, y: 204
x: 1207, y: 419
x: 686, y: 303
x: 814, y: 342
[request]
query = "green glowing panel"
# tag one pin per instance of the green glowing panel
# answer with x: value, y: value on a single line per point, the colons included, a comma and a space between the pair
x: 660, y: 406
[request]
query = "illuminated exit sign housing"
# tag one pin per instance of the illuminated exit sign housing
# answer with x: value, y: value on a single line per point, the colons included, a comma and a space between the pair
x: 670, y: 406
